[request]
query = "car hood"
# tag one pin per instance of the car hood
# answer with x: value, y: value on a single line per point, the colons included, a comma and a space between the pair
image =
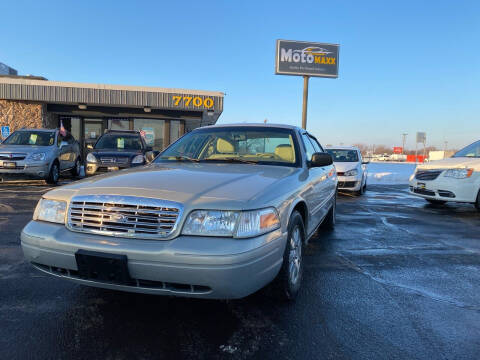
x: 451, y: 163
x: 345, y: 166
x: 199, y: 185
x: 22, y: 148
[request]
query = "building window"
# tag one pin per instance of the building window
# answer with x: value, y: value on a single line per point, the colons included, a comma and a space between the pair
x: 153, y: 131
x: 174, y: 130
x: 119, y: 124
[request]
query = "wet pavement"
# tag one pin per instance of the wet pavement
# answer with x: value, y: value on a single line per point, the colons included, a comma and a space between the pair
x: 397, y: 279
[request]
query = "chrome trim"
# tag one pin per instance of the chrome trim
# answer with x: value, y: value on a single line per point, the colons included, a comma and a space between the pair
x: 115, y: 215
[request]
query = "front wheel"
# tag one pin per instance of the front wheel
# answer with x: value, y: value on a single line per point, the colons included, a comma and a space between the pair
x: 477, y: 203
x: 288, y: 280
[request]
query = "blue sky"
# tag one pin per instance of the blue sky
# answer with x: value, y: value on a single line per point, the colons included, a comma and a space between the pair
x: 405, y: 66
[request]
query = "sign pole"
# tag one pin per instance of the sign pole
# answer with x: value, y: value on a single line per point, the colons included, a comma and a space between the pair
x: 305, y: 101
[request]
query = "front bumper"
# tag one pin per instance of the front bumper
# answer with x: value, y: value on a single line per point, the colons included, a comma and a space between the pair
x: 25, y: 170
x: 351, y: 183
x: 191, y: 266
x: 96, y: 168
x: 446, y: 188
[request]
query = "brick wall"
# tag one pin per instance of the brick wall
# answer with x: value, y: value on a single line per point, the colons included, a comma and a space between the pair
x: 18, y: 114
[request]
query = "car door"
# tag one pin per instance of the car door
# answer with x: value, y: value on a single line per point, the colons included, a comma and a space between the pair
x: 65, y: 150
x: 331, y: 185
x: 314, y: 194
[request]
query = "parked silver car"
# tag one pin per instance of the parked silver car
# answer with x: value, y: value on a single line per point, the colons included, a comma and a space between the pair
x: 219, y: 214
x: 39, y: 154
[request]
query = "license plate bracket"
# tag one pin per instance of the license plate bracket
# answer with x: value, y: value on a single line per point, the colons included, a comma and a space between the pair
x: 106, y: 267
x: 112, y: 168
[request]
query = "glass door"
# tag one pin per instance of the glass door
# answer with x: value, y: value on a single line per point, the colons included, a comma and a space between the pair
x: 93, y: 129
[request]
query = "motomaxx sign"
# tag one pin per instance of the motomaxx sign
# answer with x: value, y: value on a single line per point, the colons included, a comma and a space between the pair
x: 306, y: 58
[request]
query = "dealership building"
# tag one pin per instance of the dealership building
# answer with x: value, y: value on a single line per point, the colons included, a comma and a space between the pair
x: 87, y: 110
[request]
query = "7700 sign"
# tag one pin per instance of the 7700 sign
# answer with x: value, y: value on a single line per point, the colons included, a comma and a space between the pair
x: 194, y: 100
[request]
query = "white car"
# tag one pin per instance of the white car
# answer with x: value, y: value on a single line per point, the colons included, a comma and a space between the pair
x: 454, y: 179
x: 351, y: 169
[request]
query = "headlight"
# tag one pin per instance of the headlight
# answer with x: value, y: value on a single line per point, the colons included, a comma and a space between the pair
x: 91, y: 158
x: 139, y: 159
x: 352, y: 172
x: 238, y: 224
x: 211, y: 223
x: 38, y: 156
x: 458, y: 173
x: 50, y: 210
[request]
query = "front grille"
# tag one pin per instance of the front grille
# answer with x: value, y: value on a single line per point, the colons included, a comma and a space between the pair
x: 123, y: 216
x: 12, y: 156
x: 339, y: 173
x: 424, y: 191
x: 427, y: 174
x: 114, y: 160
x: 347, y: 184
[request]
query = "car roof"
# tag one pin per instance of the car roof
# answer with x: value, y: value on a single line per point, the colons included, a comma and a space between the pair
x: 342, y: 147
x: 33, y: 129
x: 272, y: 126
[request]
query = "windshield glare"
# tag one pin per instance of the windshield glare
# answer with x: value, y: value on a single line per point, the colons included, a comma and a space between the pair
x: 340, y: 155
x: 119, y: 142
x: 258, y: 145
x: 472, y: 150
x: 37, y: 138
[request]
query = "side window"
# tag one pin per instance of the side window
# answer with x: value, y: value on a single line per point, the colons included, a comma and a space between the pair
x: 309, y: 149
x: 316, y: 145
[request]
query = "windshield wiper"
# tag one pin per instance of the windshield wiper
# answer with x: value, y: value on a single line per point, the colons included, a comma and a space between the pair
x: 234, y: 160
x: 181, y: 158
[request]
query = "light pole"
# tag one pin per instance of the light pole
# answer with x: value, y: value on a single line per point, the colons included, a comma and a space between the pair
x: 404, y: 136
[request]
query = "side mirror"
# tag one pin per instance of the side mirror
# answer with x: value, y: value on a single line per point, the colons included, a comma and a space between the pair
x: 90, y: 147
x: 63, y: 143
x: 321, y: 159
x: 365, y: 162
x: 149, y: 156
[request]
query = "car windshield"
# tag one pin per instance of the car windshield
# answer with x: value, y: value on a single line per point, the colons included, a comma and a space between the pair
x: 270, y: 146
x: 119, y: 142
x: 342, y: 155
x: 472, y: 150
x: 37, y: 138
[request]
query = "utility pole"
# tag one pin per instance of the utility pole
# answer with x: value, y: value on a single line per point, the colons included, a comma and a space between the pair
x: 305, y: 100
x: 404, y: 136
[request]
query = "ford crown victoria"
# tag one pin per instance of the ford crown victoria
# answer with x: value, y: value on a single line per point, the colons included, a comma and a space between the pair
x: 221, y: 213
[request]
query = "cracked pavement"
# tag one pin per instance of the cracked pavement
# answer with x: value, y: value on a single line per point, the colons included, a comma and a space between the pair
x: 398, y: 279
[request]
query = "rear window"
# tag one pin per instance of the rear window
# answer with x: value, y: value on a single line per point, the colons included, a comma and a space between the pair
x: 342, y: 155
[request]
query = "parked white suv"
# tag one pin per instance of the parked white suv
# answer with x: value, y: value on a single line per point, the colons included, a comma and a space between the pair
x: 454, y: 179
x: 351, y: 169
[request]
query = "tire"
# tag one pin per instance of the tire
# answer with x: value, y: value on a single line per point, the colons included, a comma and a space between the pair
x: 362, y: 189
x: 54, y: 174
x: 477, y: 203
x: 436, y: 202
x: 331, y: 218
x: 288, y: 281
x: 76, y: 169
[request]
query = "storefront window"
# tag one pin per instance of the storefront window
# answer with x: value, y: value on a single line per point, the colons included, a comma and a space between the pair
x: 174, y: 130
x: 119, y: 124
x: 153, y: 130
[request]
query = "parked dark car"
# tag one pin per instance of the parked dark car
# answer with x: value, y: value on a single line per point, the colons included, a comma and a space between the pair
x: 39, y: 154
x: 117, y: 150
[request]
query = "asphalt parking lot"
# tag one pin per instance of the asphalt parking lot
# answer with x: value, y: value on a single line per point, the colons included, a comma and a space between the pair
x: 397, y: 279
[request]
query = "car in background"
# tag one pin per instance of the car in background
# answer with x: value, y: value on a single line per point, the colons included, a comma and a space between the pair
x: 351, y: 169
x: 220, y: 213
x: 39, y: 154
x: 116, y: 150
x: 454, y: 179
